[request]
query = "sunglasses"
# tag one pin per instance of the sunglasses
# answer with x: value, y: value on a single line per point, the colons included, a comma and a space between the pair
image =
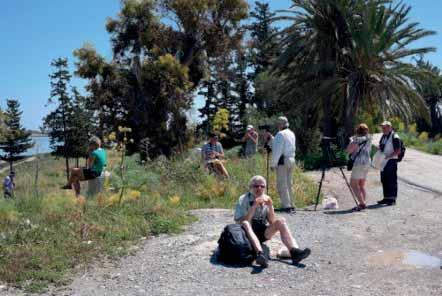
x: 259, y: 186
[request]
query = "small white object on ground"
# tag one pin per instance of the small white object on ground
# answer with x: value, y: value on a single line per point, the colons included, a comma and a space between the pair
x: 330, y: 203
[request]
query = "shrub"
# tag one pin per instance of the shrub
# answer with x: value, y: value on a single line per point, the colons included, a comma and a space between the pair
x: 423, y: 137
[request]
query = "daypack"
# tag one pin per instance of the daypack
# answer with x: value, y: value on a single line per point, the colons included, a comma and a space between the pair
x: 234, y: 246
x: 403, y: 149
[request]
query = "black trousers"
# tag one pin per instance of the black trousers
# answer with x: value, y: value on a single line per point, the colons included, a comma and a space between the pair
x: 389, y: 179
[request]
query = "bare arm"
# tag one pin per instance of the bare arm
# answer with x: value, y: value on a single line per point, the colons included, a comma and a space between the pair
x: 271, y: 215
x: 90, y: 161
x: 254, y: 138
x: 352, y: 147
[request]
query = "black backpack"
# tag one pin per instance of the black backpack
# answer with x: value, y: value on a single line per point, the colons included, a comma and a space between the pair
x: 403, y: 149
x: 234, y: 246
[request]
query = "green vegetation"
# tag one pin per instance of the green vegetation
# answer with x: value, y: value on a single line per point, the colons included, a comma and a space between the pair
x: 45, y: 231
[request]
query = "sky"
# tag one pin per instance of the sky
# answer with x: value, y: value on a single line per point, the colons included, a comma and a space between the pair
x: 35, y: 32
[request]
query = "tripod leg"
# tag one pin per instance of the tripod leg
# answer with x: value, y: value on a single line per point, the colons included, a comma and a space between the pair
x: 349, y: 186
x: 267, y: 167
x: 320, y: 187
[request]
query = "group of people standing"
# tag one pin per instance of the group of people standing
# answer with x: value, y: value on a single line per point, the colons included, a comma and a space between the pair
x: 255, y: 210
x: 283, y: 146
x: 360, y: 152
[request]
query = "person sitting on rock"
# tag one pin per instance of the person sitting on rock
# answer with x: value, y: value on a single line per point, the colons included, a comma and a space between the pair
x: 212, y: 153
x: 95, y: 165
x: 256, y: 214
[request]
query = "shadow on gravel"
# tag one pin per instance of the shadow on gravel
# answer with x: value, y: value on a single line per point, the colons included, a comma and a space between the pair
x: 376, y: 206
x: 255, y: 268
x: 350, y: 211
x: 341, y: 212
x: 299, y: 265
x: 214, y: 260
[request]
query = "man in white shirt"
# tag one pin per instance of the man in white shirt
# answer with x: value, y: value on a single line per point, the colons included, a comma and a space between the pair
x: 283, y: 160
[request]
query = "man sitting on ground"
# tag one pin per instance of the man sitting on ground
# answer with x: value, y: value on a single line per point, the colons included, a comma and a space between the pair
x: 256, y: 214
x: 212, y: 153
x: 95, y: 164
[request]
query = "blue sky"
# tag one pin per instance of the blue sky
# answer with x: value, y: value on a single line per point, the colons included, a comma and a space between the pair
x: 34, y: 32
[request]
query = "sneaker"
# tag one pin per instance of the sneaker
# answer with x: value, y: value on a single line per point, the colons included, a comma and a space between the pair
x: 298, y: 255
x: 383, y: 201
x: 261, y: 260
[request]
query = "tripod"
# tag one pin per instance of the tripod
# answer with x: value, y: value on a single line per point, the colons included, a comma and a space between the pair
x: 328, y: 157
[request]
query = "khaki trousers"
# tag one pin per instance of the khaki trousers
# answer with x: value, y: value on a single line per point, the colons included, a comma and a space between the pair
x: 284, y: 182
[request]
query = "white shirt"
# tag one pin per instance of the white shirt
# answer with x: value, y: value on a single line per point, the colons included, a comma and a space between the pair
x: 284, y: 143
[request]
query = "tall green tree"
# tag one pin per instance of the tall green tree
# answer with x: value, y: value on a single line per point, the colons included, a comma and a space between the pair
x: 263, y: 47
x: 341, y: 56
x: 81, y: 125
x: 58, y: 121
x: 16, y: 139
x: 161, y: 64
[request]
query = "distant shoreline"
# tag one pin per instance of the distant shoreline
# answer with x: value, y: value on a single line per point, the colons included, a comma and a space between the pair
x: 39, y: 135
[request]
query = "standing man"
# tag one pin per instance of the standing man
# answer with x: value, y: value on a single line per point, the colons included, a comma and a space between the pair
x: 390, y: 146
x: 9, y: 185
x: 251, y: 141
x: 283, y: 160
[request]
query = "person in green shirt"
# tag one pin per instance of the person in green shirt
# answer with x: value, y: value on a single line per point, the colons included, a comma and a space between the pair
x: 95, y: 165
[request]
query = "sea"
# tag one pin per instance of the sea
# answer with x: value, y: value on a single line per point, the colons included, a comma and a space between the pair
x: 41, y: 146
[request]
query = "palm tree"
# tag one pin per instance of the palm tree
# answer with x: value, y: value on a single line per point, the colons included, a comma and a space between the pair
x: 375, y: 71
x: 351, y: 54
x: 430, y: 88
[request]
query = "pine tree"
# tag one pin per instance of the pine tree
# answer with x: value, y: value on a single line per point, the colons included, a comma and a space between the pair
x: 16, y: 139
x: 264, y: 45
x: 57, y: 121
x: 81, y: 126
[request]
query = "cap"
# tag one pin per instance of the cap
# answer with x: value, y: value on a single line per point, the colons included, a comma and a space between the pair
x: 386, y: 123
x: 249, y: 127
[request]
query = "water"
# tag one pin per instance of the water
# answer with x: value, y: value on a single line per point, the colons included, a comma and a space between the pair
x: 419, y: 259
x: 410, y: 258
x: 41, y: 146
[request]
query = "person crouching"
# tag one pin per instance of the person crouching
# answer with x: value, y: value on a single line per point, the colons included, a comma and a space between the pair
x: 256, y: 214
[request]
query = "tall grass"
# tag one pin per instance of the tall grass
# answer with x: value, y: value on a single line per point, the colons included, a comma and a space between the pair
x: 45, y: 231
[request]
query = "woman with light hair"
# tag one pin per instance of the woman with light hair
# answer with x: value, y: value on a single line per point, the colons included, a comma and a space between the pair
x: 359, y: 150
x: 95, y: 165
x: 256, y: 214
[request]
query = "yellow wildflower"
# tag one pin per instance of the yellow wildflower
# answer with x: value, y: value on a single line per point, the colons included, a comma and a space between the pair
x: 112, y: 136
x: 135, y: 194
x: 175, y: 200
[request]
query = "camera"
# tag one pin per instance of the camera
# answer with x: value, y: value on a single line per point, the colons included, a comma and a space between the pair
x: 265, y: 127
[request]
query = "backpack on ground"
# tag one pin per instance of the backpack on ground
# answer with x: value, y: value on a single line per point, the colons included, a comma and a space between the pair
x: 234, y: 246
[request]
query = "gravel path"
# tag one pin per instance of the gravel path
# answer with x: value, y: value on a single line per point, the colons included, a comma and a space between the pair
x: 363, y: 253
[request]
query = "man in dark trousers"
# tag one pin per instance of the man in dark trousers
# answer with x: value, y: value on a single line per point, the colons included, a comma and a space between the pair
x: 390, y: 146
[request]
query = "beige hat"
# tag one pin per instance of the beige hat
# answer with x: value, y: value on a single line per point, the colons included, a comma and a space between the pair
x: 386, y: 123
x: 249, y: 127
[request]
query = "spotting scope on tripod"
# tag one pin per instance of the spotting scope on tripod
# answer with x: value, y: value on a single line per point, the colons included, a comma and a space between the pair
x: 329, y: 160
